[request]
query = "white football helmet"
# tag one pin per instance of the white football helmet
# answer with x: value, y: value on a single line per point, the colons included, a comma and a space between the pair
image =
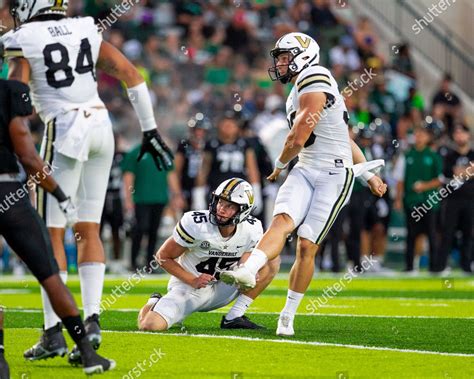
x: 237, y: 191
x: 24, y: 10
x: 304, y: 51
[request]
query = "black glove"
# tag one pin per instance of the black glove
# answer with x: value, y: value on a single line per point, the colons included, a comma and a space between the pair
x: 161, y: 154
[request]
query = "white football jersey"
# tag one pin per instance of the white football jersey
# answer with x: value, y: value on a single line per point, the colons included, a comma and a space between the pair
x: 62, y: 55
x: 209, y: 252
x: 329, y: 144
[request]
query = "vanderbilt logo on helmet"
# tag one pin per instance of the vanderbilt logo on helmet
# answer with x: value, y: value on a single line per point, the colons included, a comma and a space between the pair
x: 250, y: 196
x: 303, y: 42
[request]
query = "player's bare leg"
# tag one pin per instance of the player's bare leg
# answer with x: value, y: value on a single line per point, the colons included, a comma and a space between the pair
x: 269, y: 247
x: 235, y: 319
x: 301, y: 275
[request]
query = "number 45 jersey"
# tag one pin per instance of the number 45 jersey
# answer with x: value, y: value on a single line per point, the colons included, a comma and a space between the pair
x: 209, y: 252
x: 62, y: 55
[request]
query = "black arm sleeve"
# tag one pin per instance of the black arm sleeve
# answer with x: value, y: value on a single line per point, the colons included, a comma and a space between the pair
x: 20, y: 101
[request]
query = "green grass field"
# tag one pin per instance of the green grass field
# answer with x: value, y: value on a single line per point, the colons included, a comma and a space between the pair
x: 374, y: 328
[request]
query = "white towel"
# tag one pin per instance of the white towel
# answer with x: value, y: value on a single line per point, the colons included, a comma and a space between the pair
x: 75, y: 143
x: 373, y: 166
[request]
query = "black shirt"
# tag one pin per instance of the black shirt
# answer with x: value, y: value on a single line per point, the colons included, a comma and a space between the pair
x: 228, y: 161
x: 453, y: 158
x: 14, y: 101
x: 192, y: 163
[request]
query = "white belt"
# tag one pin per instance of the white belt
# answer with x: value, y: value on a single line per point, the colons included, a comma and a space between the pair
x: 4, y: 178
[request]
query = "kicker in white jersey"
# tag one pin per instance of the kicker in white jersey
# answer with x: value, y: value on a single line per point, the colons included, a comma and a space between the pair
x: 329, y: 144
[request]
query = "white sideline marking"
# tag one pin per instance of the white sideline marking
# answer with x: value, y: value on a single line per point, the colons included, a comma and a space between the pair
x: 26, y: 310
x: 295, y: 342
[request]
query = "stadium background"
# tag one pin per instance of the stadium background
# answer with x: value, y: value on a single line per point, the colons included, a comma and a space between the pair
x: 202, y: 59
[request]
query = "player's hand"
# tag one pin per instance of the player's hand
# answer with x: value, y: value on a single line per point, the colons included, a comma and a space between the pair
x: 69, y: 210
x: 156, y: 147
x: 419, y: 187
x: 178, y: 202
x: 202, y: 281
x: 377, y: 186
x: 274, y: 175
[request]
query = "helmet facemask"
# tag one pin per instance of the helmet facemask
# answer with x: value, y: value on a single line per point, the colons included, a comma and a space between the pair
x: 213, y: 217
x: 292, y: 68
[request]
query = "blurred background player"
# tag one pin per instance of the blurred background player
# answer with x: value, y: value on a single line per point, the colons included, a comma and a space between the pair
x: 188, y: 158
x: 204, y: 243
x: 419, y: 175
x: 226, y: 156
x: 59, y: 55
x: 26, y: 233
x: 458, y: 208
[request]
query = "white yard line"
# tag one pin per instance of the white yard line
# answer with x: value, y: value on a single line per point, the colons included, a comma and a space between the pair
x: 294, y: 342
x: 26, y: 310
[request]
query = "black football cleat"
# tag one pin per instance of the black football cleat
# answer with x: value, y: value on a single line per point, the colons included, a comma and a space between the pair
x: 92, y: 327
x: 92, y: 362
x: 239, y: 323
x: 4, y: 370
x: 51, y: 344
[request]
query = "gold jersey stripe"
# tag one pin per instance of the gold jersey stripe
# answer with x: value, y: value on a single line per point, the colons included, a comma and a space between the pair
x: 320, y: 78
x: 13, y: 53
x: 183, y: 234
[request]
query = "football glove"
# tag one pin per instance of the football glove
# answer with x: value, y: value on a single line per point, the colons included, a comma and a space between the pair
x: 69, y: 210
x: 156, y: 147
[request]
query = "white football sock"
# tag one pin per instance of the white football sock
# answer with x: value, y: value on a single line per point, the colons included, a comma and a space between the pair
x: 256, y: 261
x: 91, y: 275
x: 239, y: 308
x: 293, y: 301
x: 50, y: 318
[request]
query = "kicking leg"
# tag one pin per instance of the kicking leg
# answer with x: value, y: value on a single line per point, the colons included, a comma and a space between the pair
x: 268, y: 248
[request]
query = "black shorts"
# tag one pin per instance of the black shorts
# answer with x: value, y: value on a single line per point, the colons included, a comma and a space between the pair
x: 25, y: 232
x: 113, y: 211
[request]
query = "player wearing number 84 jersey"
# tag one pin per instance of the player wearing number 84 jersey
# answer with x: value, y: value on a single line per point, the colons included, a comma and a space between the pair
x: 204, y: 243
x: 58, y: 57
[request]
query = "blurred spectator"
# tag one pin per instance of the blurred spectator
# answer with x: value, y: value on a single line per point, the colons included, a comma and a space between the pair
x: 418, y: 173
x: 146, y: 194
x: 344, y: 54
x: 383, y: 103
x: 458, y: 207
x: 402, y: 61
x: 446, y: 104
